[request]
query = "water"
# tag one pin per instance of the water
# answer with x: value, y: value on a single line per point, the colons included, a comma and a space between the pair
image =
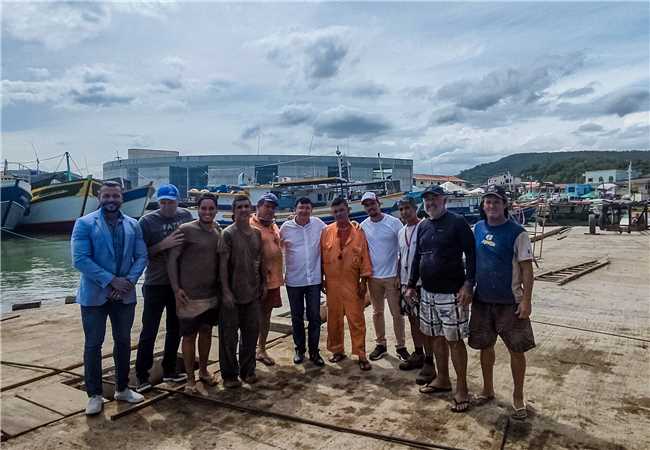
x: 35, y: 270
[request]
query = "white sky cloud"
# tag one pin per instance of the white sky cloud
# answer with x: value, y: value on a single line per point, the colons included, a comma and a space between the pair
x: 449, y: 85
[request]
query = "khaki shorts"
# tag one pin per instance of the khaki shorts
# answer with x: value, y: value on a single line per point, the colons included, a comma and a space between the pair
x: 490, y: 320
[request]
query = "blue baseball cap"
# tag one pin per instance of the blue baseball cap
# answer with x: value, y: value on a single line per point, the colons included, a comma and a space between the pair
x: 268, y: 197
x: 167, y: 192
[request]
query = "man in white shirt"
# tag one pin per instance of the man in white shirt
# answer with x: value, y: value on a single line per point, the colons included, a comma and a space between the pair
x: 381, y: 232
x: 301, y: 241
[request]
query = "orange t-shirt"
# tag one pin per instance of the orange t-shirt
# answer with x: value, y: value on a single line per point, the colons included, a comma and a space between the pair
x: 271, y: 251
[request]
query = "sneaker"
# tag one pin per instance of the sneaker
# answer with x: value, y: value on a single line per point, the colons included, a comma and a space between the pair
x: 143, y: 386
x: 316, y: 359
x: 176, y: 377
x: 299, y: 357
x: 95, y: 405
x: 415, y: 361
x: 403, y: 354
x: 129, y: 396
x: 378, y: 353
x: 232, y: 384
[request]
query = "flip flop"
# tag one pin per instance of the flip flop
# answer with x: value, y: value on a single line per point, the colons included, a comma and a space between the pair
x: 483, y: 400
x: 460, y: 407
x: 430, y: 389
x: 520, y: 413
x: 209, y: 380
x: 266, y: 360
x: 337, y: 357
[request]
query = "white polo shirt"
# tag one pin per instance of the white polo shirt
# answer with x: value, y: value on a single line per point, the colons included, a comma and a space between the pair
x: 302, y: 251
x: 383, y: 245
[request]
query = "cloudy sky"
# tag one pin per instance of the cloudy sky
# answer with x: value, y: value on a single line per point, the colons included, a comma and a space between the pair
x: 449, y: 85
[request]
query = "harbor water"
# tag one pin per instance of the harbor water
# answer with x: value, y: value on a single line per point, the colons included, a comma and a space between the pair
x: 35, y: 269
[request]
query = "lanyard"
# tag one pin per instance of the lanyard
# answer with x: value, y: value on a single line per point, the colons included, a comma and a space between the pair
x: 408, y: 243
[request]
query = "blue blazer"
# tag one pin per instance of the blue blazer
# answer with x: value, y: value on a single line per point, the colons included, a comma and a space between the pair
x: 93, y: 255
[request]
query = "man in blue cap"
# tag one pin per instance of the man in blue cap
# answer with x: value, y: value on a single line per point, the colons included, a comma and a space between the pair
x: 159, y: 229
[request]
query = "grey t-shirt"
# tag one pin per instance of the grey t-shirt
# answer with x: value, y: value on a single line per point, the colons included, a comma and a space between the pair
x: 155, y: 228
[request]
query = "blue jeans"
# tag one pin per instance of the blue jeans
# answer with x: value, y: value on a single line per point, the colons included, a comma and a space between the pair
x: 299, y: 297
x: 93, y: 319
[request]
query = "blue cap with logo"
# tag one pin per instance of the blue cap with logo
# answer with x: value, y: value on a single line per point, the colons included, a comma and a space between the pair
x: 434, y: 189
x: 167, y: 192
x: 269, y: 197
x: 497, y: 191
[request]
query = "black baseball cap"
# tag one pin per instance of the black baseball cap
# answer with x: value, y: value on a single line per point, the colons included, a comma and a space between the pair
x: 497, y: 191
x: 434, y: 190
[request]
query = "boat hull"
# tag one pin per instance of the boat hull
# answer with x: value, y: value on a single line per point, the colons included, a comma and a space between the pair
x: 136, y: 200
x: 55, y: 207
x: 16, y: 197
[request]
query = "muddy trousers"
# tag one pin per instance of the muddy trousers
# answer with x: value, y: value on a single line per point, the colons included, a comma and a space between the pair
x: 350, y: 306
x: 238, y: 325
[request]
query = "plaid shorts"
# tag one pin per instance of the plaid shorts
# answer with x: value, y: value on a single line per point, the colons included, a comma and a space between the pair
x: 442, y: 315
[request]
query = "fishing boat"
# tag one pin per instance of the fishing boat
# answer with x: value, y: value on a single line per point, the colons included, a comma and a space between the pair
x: 16, y: 195
x: 135, y: 201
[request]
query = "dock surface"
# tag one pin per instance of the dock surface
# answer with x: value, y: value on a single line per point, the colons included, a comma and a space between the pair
x: 586, y: 384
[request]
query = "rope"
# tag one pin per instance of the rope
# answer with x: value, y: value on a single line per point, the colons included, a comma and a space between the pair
x: 7, y: 230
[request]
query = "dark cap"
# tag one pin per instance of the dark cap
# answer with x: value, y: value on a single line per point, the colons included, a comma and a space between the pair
x: 497, y: 191
x: 406, y: 200
x: 433, y: 190
x: 268, y: 197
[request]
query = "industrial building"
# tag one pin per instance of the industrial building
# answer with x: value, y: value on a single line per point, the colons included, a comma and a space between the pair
x: 187, y: 172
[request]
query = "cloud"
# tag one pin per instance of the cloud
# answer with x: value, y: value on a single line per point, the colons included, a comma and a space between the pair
x: 39, y: 72
x: 98, y: 96
x: 369, y: 89
x: 296, y: 114
x: 638, y: 130
x: 342, y: 122
x: 621, y: 102
x: 590, y: 128
x: 317, y: 55
x: 57, y: 25
x: 251, y: 132
x: 519, y: 85
x: 579, y: 92
x: 171, y: 83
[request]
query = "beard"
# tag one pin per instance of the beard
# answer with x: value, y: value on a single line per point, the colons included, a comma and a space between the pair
x: 111, y: 207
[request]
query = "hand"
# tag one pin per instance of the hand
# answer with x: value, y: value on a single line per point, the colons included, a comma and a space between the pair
x: 228, y: 300
x: 397, y: 283
x: 363, y: 288
x: 173, y: 240
x: 114, y: 295
x: 523, y: 310
x: 181, y: 298
x: 323, y: 288
x: 410, y: 294
x: 121, y: 285
x: 465, y: 295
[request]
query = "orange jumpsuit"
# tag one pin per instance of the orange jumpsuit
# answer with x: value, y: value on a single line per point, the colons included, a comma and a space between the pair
x: 343, y: 266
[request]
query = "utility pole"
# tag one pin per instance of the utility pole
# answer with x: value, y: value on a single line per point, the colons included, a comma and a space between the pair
x: 67, y: 163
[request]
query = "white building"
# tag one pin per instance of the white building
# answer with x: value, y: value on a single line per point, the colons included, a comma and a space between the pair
x: 505, y: 179
x: 608, y: 176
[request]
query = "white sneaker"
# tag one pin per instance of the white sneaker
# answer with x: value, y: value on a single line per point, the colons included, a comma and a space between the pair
x: 95, y: 405
x: 127, y: 395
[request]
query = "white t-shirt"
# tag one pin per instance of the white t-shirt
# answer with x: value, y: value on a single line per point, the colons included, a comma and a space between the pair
x: 301, y: 245
x: 383, y: 246
x: 407, y: 239
x: 523, y: 251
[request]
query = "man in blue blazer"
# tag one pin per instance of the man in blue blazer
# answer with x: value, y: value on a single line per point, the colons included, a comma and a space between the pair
x: 108, y: 250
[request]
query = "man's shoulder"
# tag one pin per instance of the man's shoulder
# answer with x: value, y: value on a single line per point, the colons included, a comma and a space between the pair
x: 184, y: 213
x: 194, y: 224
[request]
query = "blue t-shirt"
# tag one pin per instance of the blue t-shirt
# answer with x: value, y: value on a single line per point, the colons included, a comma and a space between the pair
x: 499, y: 249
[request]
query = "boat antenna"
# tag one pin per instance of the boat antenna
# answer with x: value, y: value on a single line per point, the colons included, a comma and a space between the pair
x: 383, y: 178
x: 259, y: 142
x: 38, y: 163
x: 629, y: 180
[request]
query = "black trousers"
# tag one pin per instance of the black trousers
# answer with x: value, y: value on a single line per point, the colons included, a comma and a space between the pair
x: 238, y: 324
x: 156, y: 300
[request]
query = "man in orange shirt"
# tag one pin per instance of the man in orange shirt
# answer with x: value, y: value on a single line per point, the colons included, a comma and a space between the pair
x: 264, y: 220
x: 346, y: 268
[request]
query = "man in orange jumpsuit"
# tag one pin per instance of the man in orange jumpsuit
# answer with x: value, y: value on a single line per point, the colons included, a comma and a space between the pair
x: 346, y: 269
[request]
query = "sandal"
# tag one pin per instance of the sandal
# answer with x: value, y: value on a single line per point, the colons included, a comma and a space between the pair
x: 520, y: 413
x: 430, y: 389
x: 266, y: 360
x: 483, y: 400
x: 209, y: 380
x: 460, y: 407
x: 337, y: 357
x: 364, y: 365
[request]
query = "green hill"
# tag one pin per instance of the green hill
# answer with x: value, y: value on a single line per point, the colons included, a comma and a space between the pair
x: 558, y: 167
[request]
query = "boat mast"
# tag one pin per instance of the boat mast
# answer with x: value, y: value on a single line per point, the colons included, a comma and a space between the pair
x: 381, y: 170
x: 629, y: 180
x: 67, y: 164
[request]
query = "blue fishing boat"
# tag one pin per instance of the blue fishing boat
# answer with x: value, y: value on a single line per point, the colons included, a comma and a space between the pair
x: 16, y: 195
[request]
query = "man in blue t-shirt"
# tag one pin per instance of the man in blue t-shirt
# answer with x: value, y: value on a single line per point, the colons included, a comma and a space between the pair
x: 502, y: 299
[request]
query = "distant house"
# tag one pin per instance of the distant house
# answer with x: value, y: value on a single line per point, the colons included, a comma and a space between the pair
x: 640, y: 188
x: 422, y: 180
x: 607, y: 176
x: 505, y: 179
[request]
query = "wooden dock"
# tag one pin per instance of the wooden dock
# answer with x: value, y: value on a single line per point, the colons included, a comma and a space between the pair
x: 586, y: 384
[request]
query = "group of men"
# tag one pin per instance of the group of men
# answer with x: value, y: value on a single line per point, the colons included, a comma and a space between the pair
x: 428, y: 271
